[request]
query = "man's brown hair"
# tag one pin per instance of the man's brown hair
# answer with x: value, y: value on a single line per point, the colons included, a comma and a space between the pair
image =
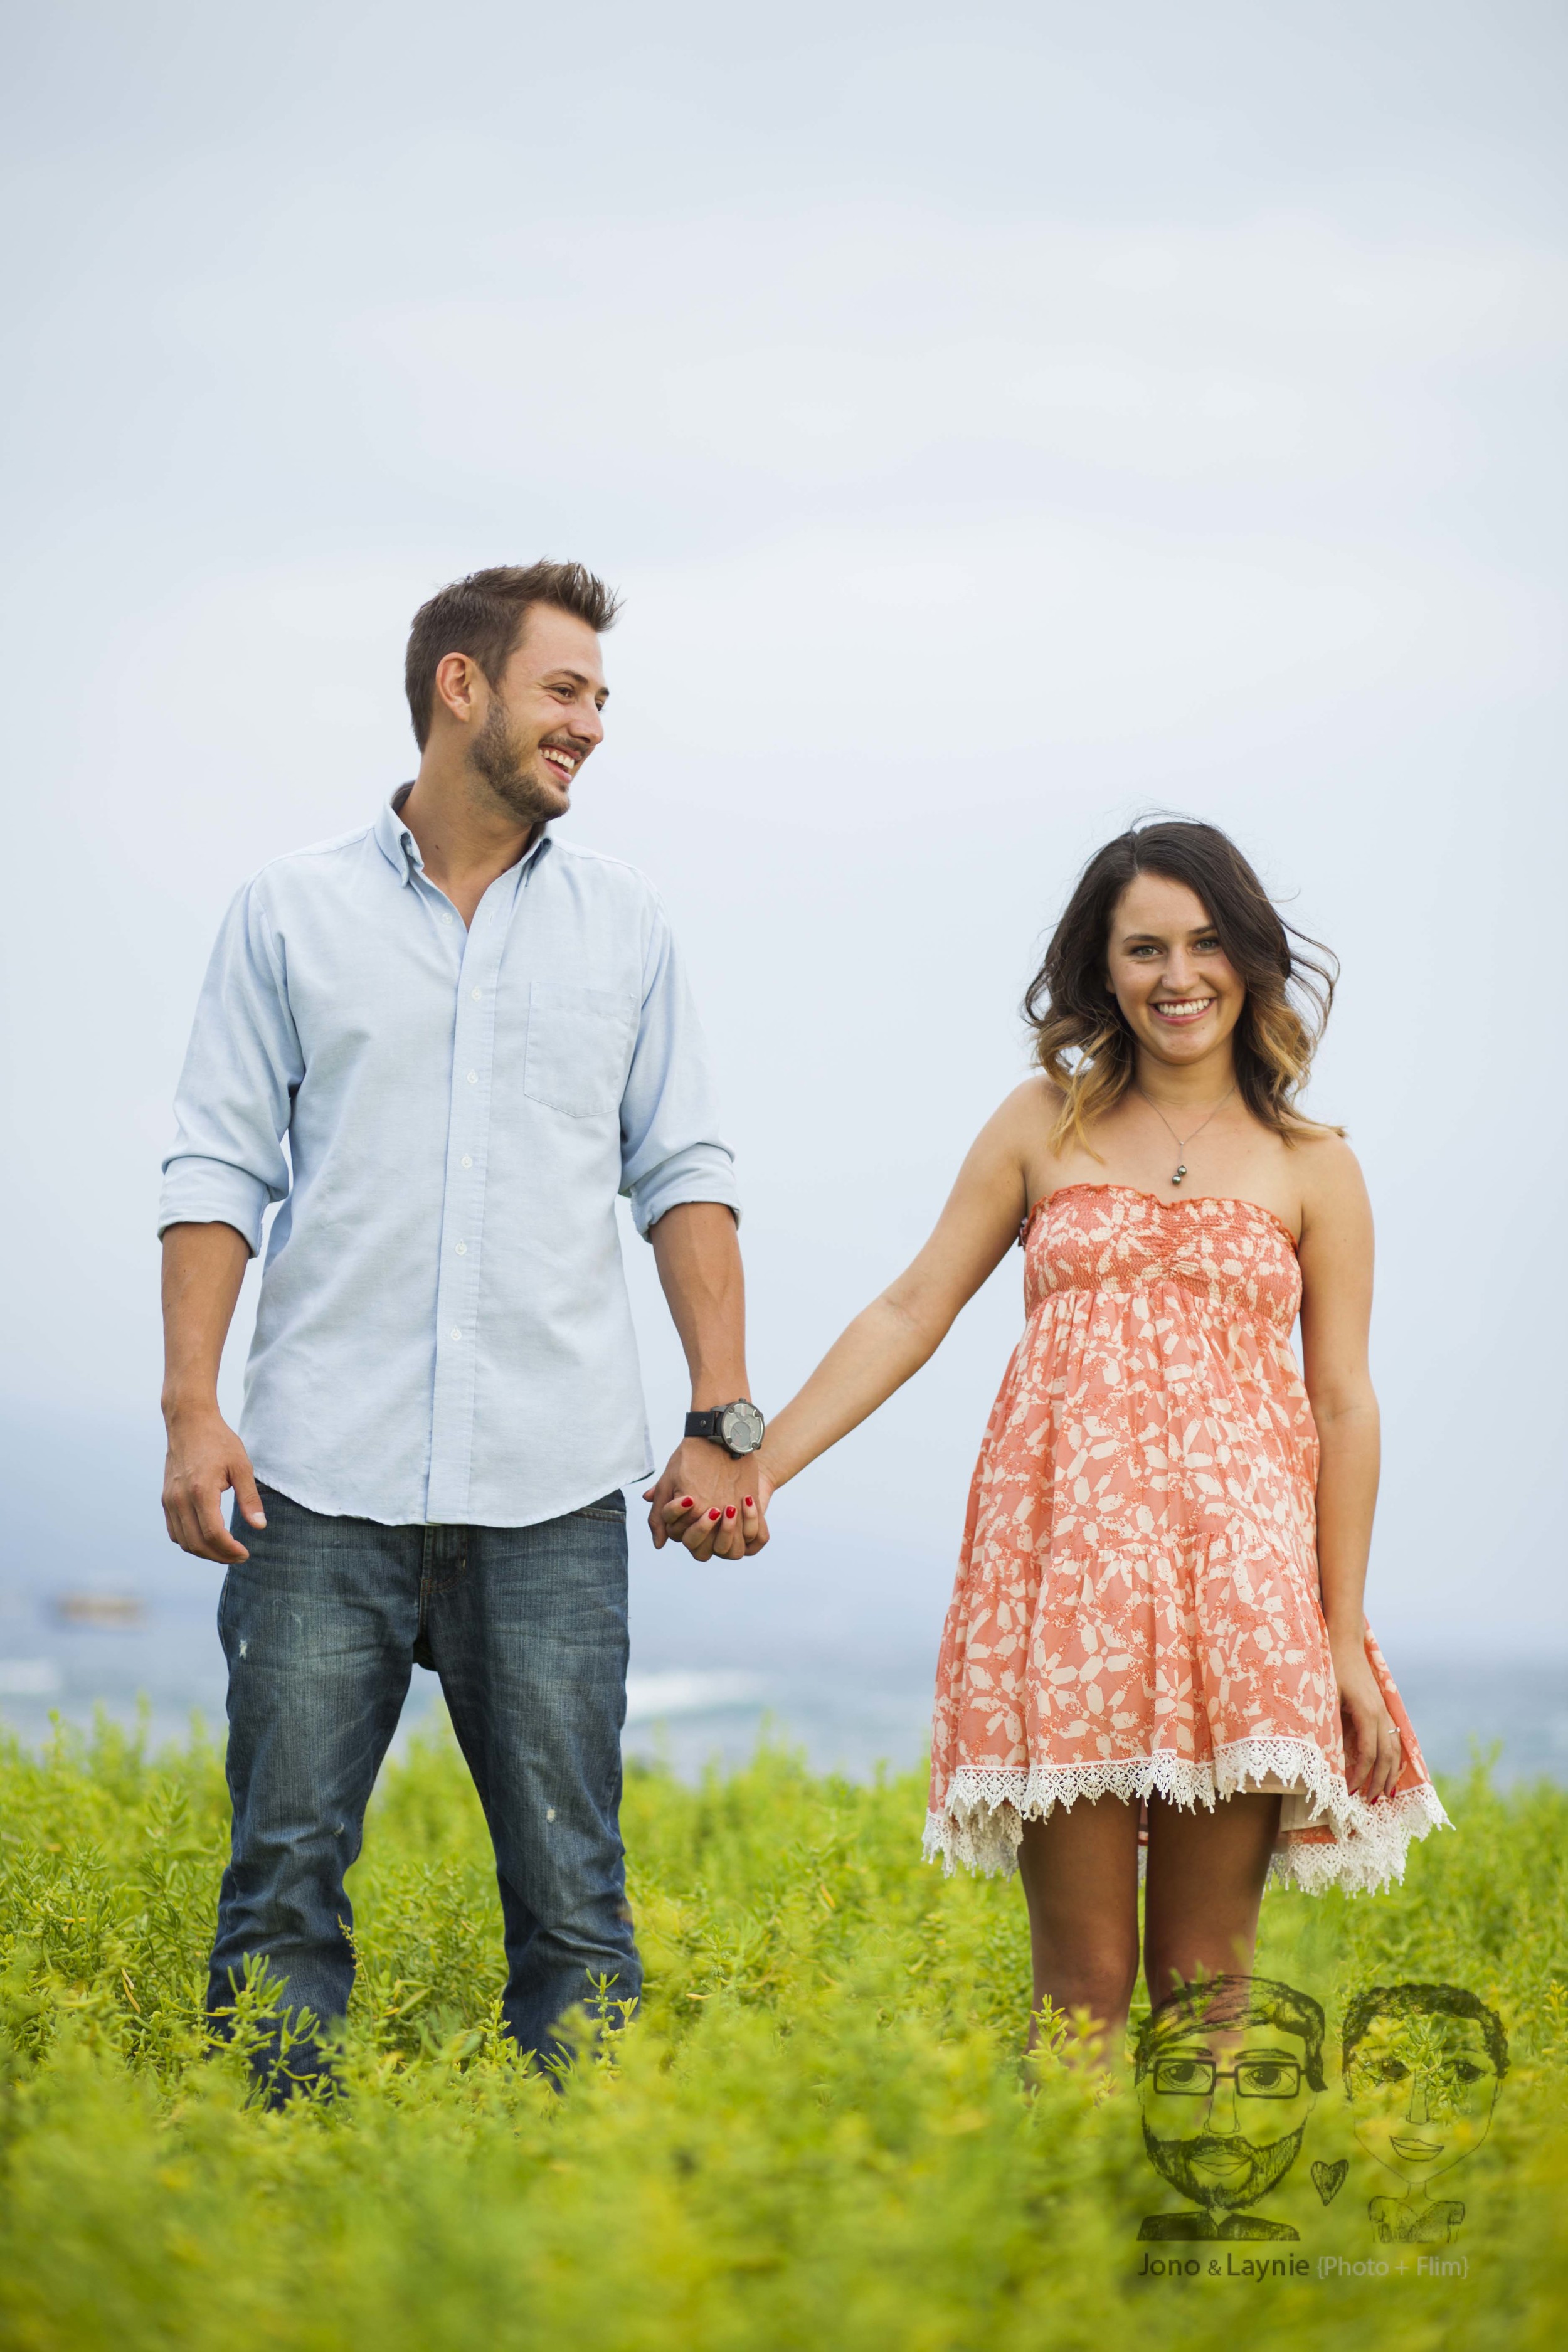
x: 483, y: 617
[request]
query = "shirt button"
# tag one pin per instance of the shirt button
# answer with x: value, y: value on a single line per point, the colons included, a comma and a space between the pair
x: 453, y: 1333
x: 462, y: 1249
x: 445, y: 919
x: 467, y: 1161
x: 476, y: 993
x: 473, y: 1078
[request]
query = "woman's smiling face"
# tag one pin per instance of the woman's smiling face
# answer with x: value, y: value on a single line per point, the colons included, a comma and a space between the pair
x: 1179, y: 992
x: 1422, y: 2090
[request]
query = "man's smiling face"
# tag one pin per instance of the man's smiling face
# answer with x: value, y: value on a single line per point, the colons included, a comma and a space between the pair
x: 1223, y: 2111
x: 542, y: 717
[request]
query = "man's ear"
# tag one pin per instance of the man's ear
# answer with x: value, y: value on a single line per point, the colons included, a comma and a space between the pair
x: 459, y: 688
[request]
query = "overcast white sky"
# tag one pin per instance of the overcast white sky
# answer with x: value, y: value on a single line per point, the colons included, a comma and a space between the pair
x: 1000, y: 422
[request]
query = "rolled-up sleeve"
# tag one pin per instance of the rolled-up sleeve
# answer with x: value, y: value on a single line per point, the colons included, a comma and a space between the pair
x: 241, y: 1068
x: 671, y: 1151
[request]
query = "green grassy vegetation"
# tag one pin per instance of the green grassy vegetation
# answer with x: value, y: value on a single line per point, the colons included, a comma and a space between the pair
x: 816, y: 2133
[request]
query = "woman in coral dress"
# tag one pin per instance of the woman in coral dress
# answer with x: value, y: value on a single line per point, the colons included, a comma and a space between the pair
x: 1157, y: 1629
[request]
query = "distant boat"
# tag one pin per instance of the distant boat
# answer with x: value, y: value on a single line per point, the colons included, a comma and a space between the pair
x: 110, y: 1611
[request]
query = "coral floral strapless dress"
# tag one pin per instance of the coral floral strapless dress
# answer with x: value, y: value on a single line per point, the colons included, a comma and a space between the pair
x: 1137, y: 1610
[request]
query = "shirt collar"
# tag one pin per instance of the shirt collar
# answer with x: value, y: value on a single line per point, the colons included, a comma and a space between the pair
x: 401, y: 851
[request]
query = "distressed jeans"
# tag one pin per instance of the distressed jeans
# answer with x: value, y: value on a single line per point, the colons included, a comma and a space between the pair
x: 527, y: 1629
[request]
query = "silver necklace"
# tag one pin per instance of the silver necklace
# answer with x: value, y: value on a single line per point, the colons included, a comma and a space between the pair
x: 1182, y: 1141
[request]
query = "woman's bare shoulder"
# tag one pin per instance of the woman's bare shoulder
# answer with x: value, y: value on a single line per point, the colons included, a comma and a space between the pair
x: 998, y: 1162
x: 1025, y: 1125
x: 1036, y: 1099
x: 1327, y: 1173
x: 1027, y: 1115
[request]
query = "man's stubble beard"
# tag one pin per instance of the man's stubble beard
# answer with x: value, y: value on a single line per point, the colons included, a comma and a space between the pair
x: 1269, y: 2164
x: 493, y: 754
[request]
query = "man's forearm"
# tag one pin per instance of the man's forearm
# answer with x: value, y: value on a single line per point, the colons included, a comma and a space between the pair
x: 698, y: 1257
x: 204, y: 1266
x: 698, y: 1252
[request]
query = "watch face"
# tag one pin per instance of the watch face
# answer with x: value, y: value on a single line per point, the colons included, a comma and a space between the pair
x: 740, y: 1427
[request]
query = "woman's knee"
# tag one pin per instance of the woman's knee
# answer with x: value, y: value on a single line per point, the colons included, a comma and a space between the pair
x: 1098, y: 1973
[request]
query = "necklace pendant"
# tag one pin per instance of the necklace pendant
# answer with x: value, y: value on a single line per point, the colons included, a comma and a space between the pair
x: 1180, y: 1173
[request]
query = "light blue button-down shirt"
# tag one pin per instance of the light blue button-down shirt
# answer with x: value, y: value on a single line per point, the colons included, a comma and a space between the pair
x: 447, y: 1117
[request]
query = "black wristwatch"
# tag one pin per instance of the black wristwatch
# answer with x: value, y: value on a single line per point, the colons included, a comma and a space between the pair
x: 738, y: 1428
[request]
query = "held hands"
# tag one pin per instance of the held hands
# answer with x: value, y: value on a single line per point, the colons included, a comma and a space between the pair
x: 1373, y: 1749
x: 205, y: 1459
x: 709, y: 1501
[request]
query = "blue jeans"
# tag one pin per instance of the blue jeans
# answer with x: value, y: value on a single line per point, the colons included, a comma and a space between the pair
x: 527, y: 1629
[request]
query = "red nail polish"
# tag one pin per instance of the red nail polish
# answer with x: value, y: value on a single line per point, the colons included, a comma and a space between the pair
x: 712, y: 1514
x: 685, y: 1502
x: 728, y: 1510
x: 750, y: 1505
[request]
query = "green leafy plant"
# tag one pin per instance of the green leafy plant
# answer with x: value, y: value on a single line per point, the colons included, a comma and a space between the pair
x: 816, y: 2131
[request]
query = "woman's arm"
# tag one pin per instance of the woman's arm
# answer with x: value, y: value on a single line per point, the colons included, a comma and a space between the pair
x: 900, y: 1330
x: 1336, y: 1254
x: 897, y: 1332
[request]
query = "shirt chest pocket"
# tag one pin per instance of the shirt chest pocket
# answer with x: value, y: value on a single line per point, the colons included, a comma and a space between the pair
x: 579, y: 1048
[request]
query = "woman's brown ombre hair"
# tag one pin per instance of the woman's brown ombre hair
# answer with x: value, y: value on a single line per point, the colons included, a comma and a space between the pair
x: 1081, y: 1041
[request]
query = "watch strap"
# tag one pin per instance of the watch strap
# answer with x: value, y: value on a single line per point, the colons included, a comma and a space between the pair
x: 711, y: 1424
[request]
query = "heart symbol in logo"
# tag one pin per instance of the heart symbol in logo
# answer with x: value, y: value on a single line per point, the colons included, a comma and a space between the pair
x: 1327, y: 2180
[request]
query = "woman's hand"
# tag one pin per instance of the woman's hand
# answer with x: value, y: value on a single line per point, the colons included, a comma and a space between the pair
x: 736, y: 1530
x: 702, y: 1530
x: 1373, y: 1750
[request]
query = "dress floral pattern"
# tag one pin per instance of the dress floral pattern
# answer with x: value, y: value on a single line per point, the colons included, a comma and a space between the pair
x: 1136, y: 1611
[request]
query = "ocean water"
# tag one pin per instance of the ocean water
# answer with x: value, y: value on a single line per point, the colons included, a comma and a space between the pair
x: 825, y: 1644
x: 854, y: 1706
x: 98, y: 1610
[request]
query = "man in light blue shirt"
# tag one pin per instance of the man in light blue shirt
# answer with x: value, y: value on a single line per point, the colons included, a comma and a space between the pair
x: 443, y: 1043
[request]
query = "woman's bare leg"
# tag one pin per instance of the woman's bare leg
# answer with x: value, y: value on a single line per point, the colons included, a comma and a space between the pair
x: 1204, y: 1887
x: 1079, y: 1869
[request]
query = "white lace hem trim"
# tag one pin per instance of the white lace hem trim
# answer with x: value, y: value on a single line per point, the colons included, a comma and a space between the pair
x: 982, y: 1820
